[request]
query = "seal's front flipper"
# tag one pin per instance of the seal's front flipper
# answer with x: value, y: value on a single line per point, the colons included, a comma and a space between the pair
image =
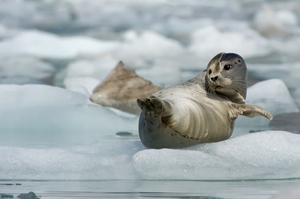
x: 252, y: 111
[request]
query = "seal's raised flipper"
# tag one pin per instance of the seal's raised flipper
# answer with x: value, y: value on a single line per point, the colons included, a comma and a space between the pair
x: 155, y: 106
x: 252, y: 111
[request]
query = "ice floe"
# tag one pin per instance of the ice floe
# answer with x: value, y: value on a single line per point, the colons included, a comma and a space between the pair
x: 264, y: 155
x: 97, y: 67
x: 48, y: 45
x: 261, y: 155
x: 24, y: 66
x: 146, y: 46
x: 84, y: 85
x: 210, y: 40
x: 270, y: 22
x: 44, y: 109
x: 22, y: 96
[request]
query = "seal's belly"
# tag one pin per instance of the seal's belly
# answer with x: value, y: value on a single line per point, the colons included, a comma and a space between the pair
x: 196, y: 118
x: 199, y: 117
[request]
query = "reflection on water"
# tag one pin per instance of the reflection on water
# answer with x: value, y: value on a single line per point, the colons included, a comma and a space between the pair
x: 149, y: 189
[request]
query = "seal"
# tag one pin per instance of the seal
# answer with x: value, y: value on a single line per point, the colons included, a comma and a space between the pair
x: 200, y: 110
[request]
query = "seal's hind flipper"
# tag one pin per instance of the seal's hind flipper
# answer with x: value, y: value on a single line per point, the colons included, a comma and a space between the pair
x: 152, y: 105
x: 155, y: 106
x: 252, y: 111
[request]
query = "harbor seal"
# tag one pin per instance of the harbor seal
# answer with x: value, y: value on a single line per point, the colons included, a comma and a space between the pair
x: 199, y: 110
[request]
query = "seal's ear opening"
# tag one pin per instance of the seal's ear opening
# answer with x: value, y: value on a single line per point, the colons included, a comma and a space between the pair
x: 216, y: 58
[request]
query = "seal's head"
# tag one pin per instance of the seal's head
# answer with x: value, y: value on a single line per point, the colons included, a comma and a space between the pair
x: 226, y: 75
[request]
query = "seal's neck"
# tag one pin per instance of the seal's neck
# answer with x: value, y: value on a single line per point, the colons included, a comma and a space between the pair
x: 237, y: 95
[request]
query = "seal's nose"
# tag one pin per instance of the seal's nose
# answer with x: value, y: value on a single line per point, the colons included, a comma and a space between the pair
x: 214, y: 78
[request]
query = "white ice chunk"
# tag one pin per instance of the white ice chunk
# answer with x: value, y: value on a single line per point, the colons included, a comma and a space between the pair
x: 264, y: 155
x: 27, y: 66
x: 6, y: 32
x: 182, y: 27
x: 52, y: 115
x: 266, y: 21
x: 48, y: 45
x: 147, y: 45
x: 287, y: 18
x: 84, y: 85
x: 22, y: 96
x: 161, y: 74
x: 270, y: 22
x: 97, y: 67
x: 209, y: 40
x: 272, y: 95
x: 105, y: 160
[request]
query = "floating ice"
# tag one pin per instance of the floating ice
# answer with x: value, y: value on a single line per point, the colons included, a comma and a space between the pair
x: 106, y: 160
x: 24, y: 66
x: 287, y: 17
x: 269, y: 22
x: 48, y: 45
x: 84, y: 85
x: 181, y: 28
x: 97, y: 67
x: 209, y: 40
x: 146, y: 46
x: 5, y: 32
x: 17, y: 96
x: 52, y: 115
x: 266, y: 21
x: 271, y: 95
x: 290, y: 193
x: 161, y: 75
x: 262, y: 155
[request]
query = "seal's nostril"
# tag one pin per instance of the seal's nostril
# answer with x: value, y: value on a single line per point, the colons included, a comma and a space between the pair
x: 214, y: 78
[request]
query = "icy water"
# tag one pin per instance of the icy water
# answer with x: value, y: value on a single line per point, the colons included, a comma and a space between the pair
x: 149, y: 189
x: 56, y: 143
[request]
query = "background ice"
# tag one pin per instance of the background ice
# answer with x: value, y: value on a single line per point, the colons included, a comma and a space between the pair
x: 25, y: 66
x: 48, y: 45
x: 84, y: 85
x: 55, y: 116
x: 147, y: 46
x: 205, y: 40
x: 22, y: 96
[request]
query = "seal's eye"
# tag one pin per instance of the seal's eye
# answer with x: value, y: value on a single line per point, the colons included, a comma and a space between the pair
x: 227, y: 67
x: 209, y: 71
